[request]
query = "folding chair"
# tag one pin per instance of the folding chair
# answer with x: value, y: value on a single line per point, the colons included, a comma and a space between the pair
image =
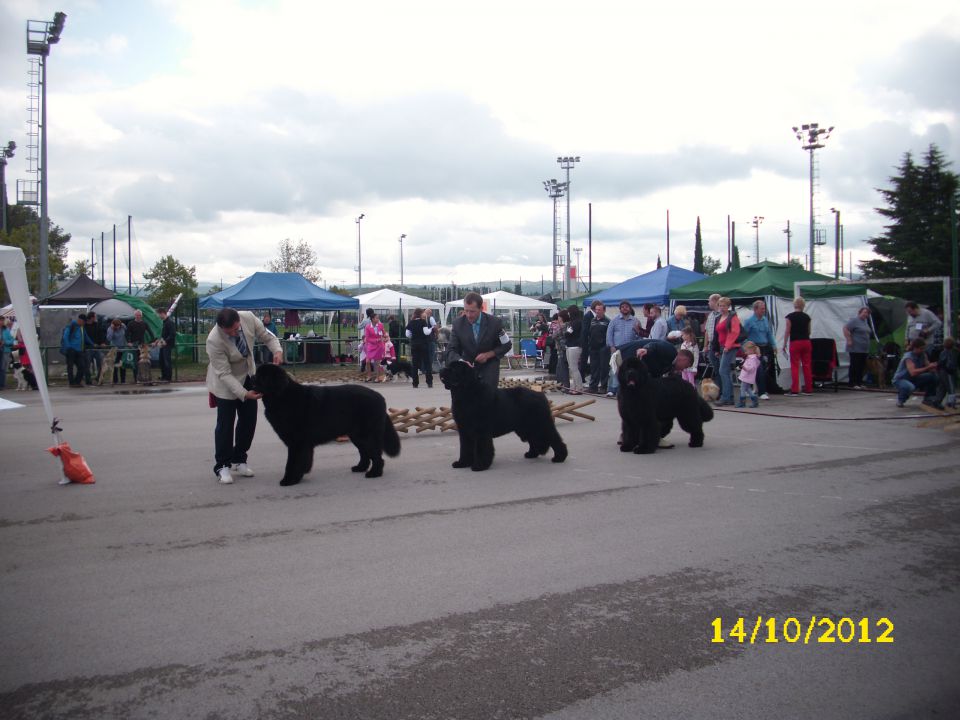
x: 530, y: 351
x: 824, y: 362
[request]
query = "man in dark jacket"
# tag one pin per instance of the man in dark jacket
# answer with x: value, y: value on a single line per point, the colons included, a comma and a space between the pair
x: 74, y: 346
x: 168, y: 337
x: 479, y: 338
x: 596, y: 345
x: 137, y: 331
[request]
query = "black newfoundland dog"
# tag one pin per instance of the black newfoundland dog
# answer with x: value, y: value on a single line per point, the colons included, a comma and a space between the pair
x: 648, y: 406
x: 482, y: 413
x: 305, y: 416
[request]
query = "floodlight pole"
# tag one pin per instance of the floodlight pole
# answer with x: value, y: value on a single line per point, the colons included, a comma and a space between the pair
x: 40, y: 36
x: 814, y: 136
x: 757, y: 219
x: 566, y: 163
x: 401, y: 261
x: 359, y: 260
x: 555, y: 190
x: 836, y: 238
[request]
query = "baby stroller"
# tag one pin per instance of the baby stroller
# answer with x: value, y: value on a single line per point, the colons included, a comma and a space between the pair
x: 824, y: 362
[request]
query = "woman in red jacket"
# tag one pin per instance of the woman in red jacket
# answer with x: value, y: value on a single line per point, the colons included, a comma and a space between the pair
x: 726, y: 332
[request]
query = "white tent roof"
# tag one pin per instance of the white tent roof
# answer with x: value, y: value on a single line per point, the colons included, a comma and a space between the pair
x: 13, y: 266
x: 502, y: 300
x: 385, y: 298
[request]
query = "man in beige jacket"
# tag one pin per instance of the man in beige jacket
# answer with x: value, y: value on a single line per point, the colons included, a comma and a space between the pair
x: 229, y: 379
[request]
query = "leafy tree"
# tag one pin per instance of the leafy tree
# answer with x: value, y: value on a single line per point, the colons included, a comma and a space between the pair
x: 23, y: 231
x: 698, y: 262
x: 711, y: 265
x: 794, y: 262
x: 80, y: 267
x: 169, y: 277
x: 735, y: 262
x: 659, y: 264
x: 299, y: 258
x: 916, y: 242
x: 214, y: 289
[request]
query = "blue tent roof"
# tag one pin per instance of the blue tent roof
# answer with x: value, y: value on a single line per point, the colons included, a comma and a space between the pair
x: 277, y: 290
x: 651, y: 287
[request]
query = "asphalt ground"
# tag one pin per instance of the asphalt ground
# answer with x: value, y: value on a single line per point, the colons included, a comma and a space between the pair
x: 589, y: 589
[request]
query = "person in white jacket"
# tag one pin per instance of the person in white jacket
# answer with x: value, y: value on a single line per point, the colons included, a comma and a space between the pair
x: 229, y: 381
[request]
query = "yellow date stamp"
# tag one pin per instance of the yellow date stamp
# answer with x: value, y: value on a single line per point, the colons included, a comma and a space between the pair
x: 816, y: 629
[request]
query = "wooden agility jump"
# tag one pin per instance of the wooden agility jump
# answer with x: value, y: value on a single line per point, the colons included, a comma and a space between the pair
x: 441, y: 418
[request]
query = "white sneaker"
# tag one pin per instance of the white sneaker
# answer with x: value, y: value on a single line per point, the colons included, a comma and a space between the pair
x: 764, y: 397
x: 242, y: 469
x: 611, y: 394
x: 223, y: 474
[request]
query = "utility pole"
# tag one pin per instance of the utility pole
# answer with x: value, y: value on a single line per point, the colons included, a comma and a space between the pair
x: 836, y: 240
x: 789, y: 234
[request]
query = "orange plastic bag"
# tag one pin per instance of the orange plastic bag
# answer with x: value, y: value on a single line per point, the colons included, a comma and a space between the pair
x: 75, y: 468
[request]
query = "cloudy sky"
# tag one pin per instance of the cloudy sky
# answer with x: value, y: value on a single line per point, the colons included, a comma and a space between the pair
x: 224, y: 127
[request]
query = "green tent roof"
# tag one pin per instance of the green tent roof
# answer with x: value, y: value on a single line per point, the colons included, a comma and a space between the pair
x: 765, y: 278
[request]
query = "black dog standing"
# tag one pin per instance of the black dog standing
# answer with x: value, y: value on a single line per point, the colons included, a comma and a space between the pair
x: 649, y: 404
x: 305, y: 416
x: 482, y: 413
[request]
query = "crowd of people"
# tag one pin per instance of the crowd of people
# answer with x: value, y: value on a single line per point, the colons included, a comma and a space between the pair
x: 584, y: 350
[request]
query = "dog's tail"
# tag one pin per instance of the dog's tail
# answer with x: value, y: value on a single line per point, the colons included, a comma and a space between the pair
x: 391, y: 441
x: 706, y: 412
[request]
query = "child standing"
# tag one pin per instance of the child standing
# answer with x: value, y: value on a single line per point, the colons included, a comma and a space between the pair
x: 748, y: 375
x: 689, y: 342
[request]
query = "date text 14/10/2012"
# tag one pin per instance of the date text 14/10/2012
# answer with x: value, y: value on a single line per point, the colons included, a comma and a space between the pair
x: 818, y: 629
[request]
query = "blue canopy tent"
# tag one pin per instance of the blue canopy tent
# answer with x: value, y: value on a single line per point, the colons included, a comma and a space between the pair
x: 651, y: 287
x: 277, y: 290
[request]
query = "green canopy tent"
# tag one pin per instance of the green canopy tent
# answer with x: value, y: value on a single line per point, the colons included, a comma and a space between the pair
x: 829, y: 307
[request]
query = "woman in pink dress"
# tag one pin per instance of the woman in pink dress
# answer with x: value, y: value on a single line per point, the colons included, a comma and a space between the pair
x: 374, y: 347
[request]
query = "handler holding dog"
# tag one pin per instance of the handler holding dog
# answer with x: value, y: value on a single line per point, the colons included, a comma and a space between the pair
x: 230, y: 351
x: 479, y: 338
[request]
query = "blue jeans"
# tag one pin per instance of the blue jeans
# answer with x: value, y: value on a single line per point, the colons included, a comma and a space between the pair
x: 726, y: 375
x: 747, y: 391
x: 924, y: 381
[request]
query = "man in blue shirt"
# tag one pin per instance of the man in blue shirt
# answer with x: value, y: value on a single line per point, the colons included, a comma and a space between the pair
x: 759, y: 332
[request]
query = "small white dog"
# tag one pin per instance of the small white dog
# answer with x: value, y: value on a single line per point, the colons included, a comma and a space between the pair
x: 22, y: 383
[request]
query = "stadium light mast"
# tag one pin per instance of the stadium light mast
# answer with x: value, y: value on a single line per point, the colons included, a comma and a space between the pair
x: 401, y: 261
x: 359, y: 260
x: 566, y: 163
x: 40, y: 36
x: 757, y: 219
x: 812, y: 138
x: 555, y: 191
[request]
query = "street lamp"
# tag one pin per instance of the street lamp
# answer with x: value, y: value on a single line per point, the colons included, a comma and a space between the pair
x: 40, y: 36
x: 401, y: 261
x: 6, y: 153
x: 359, y: 261
x: 812, y: 137
x: 836, y: 239
x: 566, y: 163
x: 757, y: 219
x: 555, y: 190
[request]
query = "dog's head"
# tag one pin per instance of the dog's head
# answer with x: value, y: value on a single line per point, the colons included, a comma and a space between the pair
x: 458, y: 374
x: 144, y: 352
x: 633, y: 373
x: 16, y: 366
x: 270, y: 380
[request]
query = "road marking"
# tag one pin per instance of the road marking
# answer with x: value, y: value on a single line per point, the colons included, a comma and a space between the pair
x: 725, y: 487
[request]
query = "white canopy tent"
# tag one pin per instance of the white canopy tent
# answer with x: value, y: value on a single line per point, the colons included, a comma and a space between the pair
x: 387, y: 299
x: 13, y: 264
x: 502, y: 303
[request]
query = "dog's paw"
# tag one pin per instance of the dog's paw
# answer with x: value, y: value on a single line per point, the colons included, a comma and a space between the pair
x: 359, y: 468
x: 696, y: 443
x: 374, y: 473
x: 626, y: 448
x: 290, y: 481
x: 480, y: 468
x: 459, y: 464
x: 531, y: 454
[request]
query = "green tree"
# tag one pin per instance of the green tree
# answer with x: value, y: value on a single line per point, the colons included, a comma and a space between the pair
x: 916, y: 242
x: 168, y: 278
x: 711, y: 265
x: 299, y: 258
x: 80, y: 267
x: 659, y: 264
x: 735, y: 262
x: 698, y: 251
x: 23, y: 231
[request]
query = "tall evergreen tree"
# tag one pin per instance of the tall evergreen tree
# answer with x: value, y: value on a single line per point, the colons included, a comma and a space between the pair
x: 735, y: 262
x: 916, y: 242
x: 659, y: 264
x: 698, y: 250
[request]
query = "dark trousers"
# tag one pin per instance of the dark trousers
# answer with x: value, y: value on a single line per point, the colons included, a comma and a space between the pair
x: 166, y: 363
x: 78, y: 367
x: 858, y: 362
x: 767, y: 372
x: 233, y: 436
x: 599, y: 368
x: 119, y: 371
x: 422, y: 362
